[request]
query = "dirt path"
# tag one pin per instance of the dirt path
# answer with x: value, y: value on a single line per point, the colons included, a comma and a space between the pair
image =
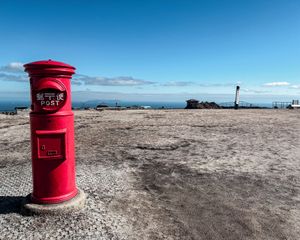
x: 166, y: 174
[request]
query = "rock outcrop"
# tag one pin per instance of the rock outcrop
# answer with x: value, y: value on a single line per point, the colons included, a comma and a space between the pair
x: 195, y: 104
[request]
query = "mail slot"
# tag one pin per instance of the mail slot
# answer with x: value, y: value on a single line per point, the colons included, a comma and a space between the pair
x: 52, y: 132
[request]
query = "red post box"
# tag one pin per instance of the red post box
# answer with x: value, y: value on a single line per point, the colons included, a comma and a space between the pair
x: 52, y: 132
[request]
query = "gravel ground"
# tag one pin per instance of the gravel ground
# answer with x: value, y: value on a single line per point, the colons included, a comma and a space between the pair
x: 166, y: 174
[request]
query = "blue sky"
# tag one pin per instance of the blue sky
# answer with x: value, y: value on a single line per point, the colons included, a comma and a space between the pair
x: 166, y: 50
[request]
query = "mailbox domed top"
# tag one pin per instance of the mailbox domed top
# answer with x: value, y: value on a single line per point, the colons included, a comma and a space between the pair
x: 49, y: 67
x: 49, y: 63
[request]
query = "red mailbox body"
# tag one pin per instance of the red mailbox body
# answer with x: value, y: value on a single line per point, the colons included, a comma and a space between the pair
x: 52, y: 132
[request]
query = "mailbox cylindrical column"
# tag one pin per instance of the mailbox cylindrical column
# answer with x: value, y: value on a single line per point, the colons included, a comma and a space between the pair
x: 52, y: 132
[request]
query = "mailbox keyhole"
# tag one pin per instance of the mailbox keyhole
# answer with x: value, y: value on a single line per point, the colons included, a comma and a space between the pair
x: 43, y: 147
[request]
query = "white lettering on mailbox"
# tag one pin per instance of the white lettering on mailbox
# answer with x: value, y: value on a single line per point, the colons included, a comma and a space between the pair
x: 60, y: 97
x: 50, y: 98
x: 40, y: 96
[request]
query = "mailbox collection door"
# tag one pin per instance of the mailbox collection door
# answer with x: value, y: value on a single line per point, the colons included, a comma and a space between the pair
x: 51, y: 144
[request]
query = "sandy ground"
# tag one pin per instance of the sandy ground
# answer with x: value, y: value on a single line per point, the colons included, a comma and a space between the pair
x: 166, y: 174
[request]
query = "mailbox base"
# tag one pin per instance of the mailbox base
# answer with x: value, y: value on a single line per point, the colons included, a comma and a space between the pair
x: 74, y: 204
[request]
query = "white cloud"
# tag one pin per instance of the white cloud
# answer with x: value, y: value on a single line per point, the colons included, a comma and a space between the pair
x: 247, y: 90
x: 13, y: 67
x: 14, y: 72
x: 295, y: 86
x: 276, y: 84
x: 209, y: 85
x: 13, y: 77
x: 217, y: 84
x: 177, y: 84
x: 106, y: 81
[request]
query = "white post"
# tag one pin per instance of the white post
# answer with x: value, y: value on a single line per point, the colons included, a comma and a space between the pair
x: 237, y: 97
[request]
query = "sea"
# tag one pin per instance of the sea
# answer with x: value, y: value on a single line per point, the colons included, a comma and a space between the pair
x: 11, y: 105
